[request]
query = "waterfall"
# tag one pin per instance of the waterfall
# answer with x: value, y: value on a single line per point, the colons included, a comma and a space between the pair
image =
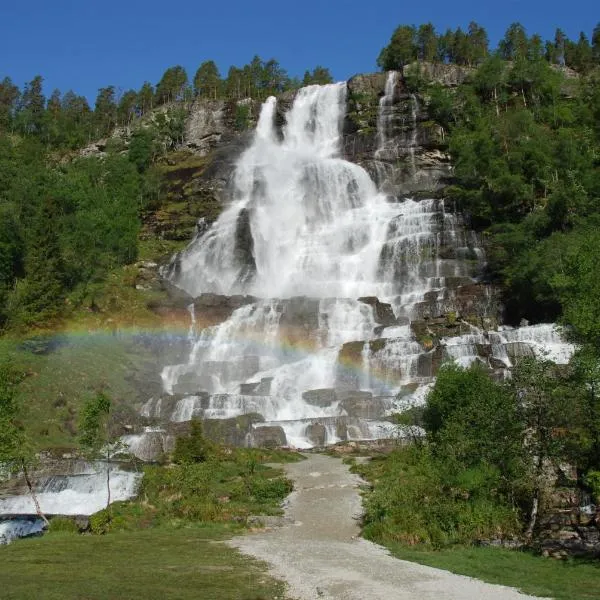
x: 412, y: 145
x: 337, y: 270
x: 385, y: 113
x: 83, y: 493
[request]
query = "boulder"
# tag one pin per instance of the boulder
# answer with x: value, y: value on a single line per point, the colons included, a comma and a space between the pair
x: 231, y: 432
x: 382, y: 311
x: 323, y: 398
x: 363, y: 405
x: 317, y: 434
x: 270, y: 436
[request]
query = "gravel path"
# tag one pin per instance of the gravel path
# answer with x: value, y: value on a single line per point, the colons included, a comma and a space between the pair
x: 319, y: 554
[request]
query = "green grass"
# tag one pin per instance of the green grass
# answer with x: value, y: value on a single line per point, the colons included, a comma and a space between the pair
x: 156, y: 564
x: 58, y: 382
x: 535, y: 575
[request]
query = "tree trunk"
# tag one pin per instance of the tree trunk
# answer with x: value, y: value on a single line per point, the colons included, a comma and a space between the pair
x: 108, y: 482
x: 38, y: 510
x: 533, y: 516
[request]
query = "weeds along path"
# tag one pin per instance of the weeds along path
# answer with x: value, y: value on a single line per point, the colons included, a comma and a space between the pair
x: 321, y: 556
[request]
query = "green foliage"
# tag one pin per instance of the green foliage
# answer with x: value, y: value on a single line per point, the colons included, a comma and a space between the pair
x: 485, y: 460
x: 242, y: 117
x: 319, y: 76
x: 94, y: 423
x: 14, y: 446
x: 414, y: 503
x: 192, y: 448
x: 227, y: 485
x: 101, y: 522
x: 63, y: 525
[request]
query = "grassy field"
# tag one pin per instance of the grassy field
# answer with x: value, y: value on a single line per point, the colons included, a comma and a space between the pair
x: 163, y: 563
x: 535, y: 575
x: 57, y: 383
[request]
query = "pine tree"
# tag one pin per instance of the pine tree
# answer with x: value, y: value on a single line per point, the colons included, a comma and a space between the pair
x: 105, y: 110
x: 9, y: 96
x: 427, y: 42
x: 39, y: 297
x: 32, y: 107
x: 207, y: 81
x: 401, y: 50
x: 145, y: 98
x: 172, y: 85
x: 127, y: 108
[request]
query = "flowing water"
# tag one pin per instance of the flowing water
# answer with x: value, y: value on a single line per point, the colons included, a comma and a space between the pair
x: 338, y: 269
x: 82, y: 492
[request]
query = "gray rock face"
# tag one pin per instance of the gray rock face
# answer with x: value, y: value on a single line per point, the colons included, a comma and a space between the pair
x: 414, y: 158
x: 205, y: 125
x: 323, y: 398
x: 363, y: 405
x: 384, y: 315
x: 317, y: 434
x: 443, y: 74
x: 269, y: 436
x: 244, y: 247
x: 517, y: 350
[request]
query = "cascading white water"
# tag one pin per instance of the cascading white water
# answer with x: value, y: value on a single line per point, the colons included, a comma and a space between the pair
x: 82, y: 494
x: 309, y: 234
x: 385, y: 113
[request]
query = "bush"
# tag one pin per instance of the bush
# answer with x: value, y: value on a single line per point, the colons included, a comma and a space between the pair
x: 100, y: 522
x: 63, y: 524
x: 192, y: 448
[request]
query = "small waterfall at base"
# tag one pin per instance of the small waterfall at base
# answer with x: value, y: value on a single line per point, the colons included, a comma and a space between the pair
x: 337, y: 271
x: 83, y: 493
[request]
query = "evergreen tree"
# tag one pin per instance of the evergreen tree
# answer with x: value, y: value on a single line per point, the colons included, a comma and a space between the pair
x: 32, y: 107
x: 401, y: 50
x: 427, y: 42
x: 514, y: 44
x: 319, y: 76
x: 9, y: 96
x: 105, y: 111
x: 560, y: 40
x: 207, y: 80
x: 127, y: 108
x: 145, y: 98
x: 172, y: 85
x: 477, y: 44
x: 596, y: 44
x: 233, y: 83
x: 38, y: 298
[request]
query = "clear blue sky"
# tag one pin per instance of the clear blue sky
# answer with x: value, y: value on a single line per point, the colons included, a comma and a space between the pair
x: 86, y: 44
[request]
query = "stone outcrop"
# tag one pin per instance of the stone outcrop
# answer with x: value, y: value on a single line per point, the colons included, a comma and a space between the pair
x: 414, y: 159
x: 268, y: 436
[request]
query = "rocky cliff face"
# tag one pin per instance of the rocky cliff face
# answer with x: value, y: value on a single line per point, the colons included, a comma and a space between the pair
x: 407, y: 152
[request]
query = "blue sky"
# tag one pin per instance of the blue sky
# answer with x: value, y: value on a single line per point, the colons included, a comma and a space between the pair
x: 86, y: 44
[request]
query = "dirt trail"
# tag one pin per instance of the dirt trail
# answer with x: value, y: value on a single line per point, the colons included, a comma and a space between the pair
x: 320, y: 555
